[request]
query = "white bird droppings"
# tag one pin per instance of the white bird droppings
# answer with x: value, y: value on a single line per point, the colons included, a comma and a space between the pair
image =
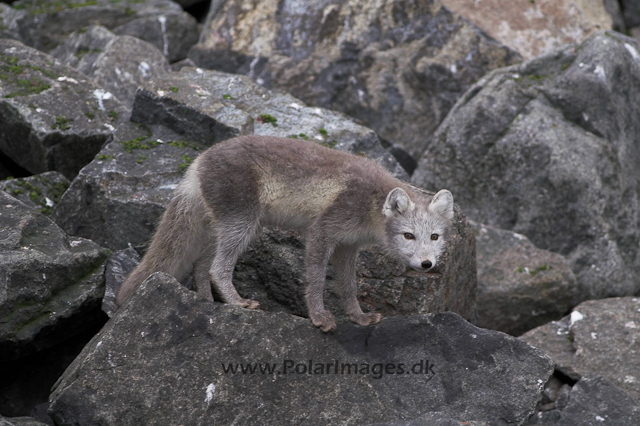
x: 211, y: 389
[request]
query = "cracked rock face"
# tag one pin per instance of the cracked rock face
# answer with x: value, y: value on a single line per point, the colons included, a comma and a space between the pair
x: 38, y: 131
x: 48, y: 281
x: 396, y: 66
x: 160, y: 360
x: 548, y: 149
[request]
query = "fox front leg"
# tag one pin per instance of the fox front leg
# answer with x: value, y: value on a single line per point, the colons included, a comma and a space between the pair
x: 344, y: 264
x: 317, y: 256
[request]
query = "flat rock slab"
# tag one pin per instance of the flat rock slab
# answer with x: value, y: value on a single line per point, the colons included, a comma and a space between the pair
x: 548, y: 149
x: 38, y: 131
x: 162, y: 359
x: 599, y: 337
x: 398, y: 67
x: 194, y: 100
x: 520, y: 286
x: 48, y: 281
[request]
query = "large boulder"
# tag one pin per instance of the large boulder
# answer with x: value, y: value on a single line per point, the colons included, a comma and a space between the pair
x: 534, y: 28
x: 549, y: 150
x: 171, y: 33
x: 119, y: 63
x: 519, y: 285
x: 127, y: 63
x: 38, y: 131
x: 81, y: 49
x: 599, y: 337
x: 46, y: 24
x: 51, y: 284
x: 192, y: 101
x: 118, y: 198
x: 170, y: 356
x: 396, y: 66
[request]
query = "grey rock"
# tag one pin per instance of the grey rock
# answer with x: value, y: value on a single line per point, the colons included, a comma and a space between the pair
x: 398, y: 67
x: 433, y: 419
x: 81, y: 49
x: 595, y: 401
x: 48, y: 281
x: 177, y: 66
x: 630, y: 12
x: 160, y: 359
x: 20, y: 421
x: 613, y: 8
x: 549, y: 150
x: 520, y: 286
x: 38, y: 131
x: 126, y: 63
x: 193, y: 102
x: 47, y: 24
x: 119, y: 266
x: 173, y: 33
x: 41, y: 191
x: 599, y: 337
x: 118, y: 198
x: 9, y: 18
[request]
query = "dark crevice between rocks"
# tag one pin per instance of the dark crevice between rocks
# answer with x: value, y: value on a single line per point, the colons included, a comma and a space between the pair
x: 27, y: 381
x: 199, y: 10
x: 11, y: 168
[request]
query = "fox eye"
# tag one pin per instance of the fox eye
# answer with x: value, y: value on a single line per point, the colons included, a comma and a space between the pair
x: 434, y: 237
x: 409, y: 236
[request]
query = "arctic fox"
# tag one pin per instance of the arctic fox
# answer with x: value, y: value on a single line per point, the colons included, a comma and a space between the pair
x: 339, y: 201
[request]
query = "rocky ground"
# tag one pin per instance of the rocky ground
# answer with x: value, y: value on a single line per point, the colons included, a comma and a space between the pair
x: 528, y: 114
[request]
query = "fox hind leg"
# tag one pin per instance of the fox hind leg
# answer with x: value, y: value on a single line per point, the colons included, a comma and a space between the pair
x: 232, y: 240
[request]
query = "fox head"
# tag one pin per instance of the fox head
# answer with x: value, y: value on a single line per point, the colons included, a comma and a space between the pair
x: 416, y: 230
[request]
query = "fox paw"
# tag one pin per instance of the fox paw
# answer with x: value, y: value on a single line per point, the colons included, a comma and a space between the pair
x: 248, y: 303
x: 366, y: 319
x: 325, y: 320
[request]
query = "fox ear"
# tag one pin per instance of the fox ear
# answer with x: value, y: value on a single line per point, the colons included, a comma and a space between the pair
x: 442, y: 203
x: 398, y: 202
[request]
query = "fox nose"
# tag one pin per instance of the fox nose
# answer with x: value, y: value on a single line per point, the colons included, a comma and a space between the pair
x: 426, y: 264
